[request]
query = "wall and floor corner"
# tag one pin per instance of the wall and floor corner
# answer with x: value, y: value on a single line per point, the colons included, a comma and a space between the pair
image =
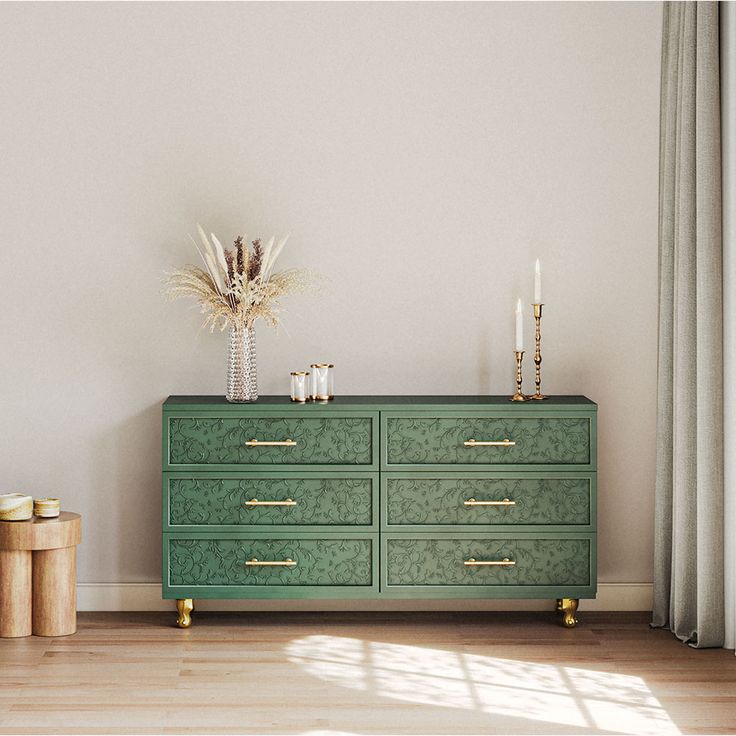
x: 422, y: 156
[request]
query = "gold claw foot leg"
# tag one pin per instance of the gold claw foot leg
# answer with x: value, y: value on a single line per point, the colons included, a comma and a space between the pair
x: 184, y: 606
x: 568, y: 607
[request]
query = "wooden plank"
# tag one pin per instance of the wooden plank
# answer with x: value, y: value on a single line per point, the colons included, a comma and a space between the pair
x: 431, y: 673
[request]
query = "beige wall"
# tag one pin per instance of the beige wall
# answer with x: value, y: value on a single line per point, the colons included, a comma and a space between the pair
x: 422, y: 155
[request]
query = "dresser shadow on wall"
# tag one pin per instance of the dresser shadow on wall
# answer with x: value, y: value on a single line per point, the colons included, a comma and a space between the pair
x: 125, y: 519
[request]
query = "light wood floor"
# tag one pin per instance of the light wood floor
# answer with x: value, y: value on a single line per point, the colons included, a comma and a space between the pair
x: 337, y: 673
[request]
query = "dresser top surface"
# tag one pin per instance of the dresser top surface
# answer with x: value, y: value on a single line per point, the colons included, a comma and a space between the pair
x: 388, y: 402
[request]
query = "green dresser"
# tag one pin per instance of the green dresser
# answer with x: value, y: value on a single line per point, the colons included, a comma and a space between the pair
x: 379, y: 497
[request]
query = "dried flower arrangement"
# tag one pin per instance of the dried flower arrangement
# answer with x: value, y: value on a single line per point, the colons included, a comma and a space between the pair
x: 238, y: 286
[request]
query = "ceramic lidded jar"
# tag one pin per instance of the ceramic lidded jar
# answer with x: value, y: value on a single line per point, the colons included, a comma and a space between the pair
x: 46, y: 508
x: 15, y: 507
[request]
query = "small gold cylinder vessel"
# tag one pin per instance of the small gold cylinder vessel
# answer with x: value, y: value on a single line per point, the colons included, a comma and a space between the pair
x: 299, y: 386
x: 323, y: 382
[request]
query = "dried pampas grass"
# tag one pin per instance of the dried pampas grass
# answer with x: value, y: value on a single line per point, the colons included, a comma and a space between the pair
x: 237, y: 287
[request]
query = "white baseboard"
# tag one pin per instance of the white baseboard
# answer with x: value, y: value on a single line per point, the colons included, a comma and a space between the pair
x: 147, y: 597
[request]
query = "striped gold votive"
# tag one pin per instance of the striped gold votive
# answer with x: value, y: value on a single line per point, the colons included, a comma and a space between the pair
x: 15, y: 507
x: 46, y: 508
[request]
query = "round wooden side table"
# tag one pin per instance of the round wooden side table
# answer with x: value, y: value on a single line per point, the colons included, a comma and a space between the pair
x: 38, y: 576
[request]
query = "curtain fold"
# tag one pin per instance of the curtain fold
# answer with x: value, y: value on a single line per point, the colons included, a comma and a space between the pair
x: 689, y: 562
x: 728, y: 169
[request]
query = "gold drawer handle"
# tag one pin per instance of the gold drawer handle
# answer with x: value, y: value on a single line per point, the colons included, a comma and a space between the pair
x: 288, y: 562
x: 489, y: 443
x: 505, y: 562
x: 473, y: 502
x: 270, y: 443
x: 256, y: 502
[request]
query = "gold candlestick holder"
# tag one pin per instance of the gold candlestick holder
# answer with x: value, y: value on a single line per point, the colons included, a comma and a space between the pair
x: 518, y: 396
x: 538, y: 396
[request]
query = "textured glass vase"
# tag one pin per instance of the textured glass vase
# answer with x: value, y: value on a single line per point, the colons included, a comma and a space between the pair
x: 242, y: 376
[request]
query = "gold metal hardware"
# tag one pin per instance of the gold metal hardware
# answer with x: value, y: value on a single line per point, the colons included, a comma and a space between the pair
x: 270, y: 443
x: 505, y: 502
x: 490, y: 443
x: 505, y: 562
x: 538, y: 395
x: 184, y: 607
x: 321, y: 365
x: 256, y: 502
x: 519, y: 396
x: 568, y: 608
x: 288, y: 562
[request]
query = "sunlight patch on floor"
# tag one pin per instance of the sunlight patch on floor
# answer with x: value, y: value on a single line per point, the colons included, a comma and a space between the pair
x: 568, y: 696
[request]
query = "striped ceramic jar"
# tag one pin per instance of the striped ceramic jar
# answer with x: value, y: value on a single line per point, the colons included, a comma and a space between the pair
x: 15, y: 507
x: 46, y: 508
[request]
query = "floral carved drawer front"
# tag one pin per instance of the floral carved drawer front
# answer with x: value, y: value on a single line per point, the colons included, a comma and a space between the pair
x: 223, y: 562
x: 319, y: 441
x: 542, y: 501
x: 318, y: 501
x: 429, y: 561
x: 435, y: 441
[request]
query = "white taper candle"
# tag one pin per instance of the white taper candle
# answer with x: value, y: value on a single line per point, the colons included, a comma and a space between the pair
x: 519, y: 327
x: 537, y: 283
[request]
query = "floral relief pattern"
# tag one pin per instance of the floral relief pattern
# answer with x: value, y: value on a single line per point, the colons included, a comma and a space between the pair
x: 319, y: 441
x: 544, y: 441
x: 222, y: 561
x: 441, y: 500
x: 429, y: 561
x: 319, y: 501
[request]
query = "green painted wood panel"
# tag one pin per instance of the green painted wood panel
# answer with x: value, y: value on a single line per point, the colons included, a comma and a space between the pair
x: 428, y: 499
x: 219, y: 499
x: 431, y: 561
x: 221, y: 562
x: 320, y: 440
x: 425, y: 474
x: 439, y: 440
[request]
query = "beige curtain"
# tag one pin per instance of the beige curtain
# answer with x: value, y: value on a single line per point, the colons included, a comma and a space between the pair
x: 688, y: 565
x: 728, y: 173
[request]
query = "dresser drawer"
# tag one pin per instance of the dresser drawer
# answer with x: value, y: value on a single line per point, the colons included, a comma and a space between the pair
x: 274, y: 561
x: 253, y: 440
x: 462, y: 560
x: 475, y: 439
x: 482, y: 499
x: 269, y: 499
